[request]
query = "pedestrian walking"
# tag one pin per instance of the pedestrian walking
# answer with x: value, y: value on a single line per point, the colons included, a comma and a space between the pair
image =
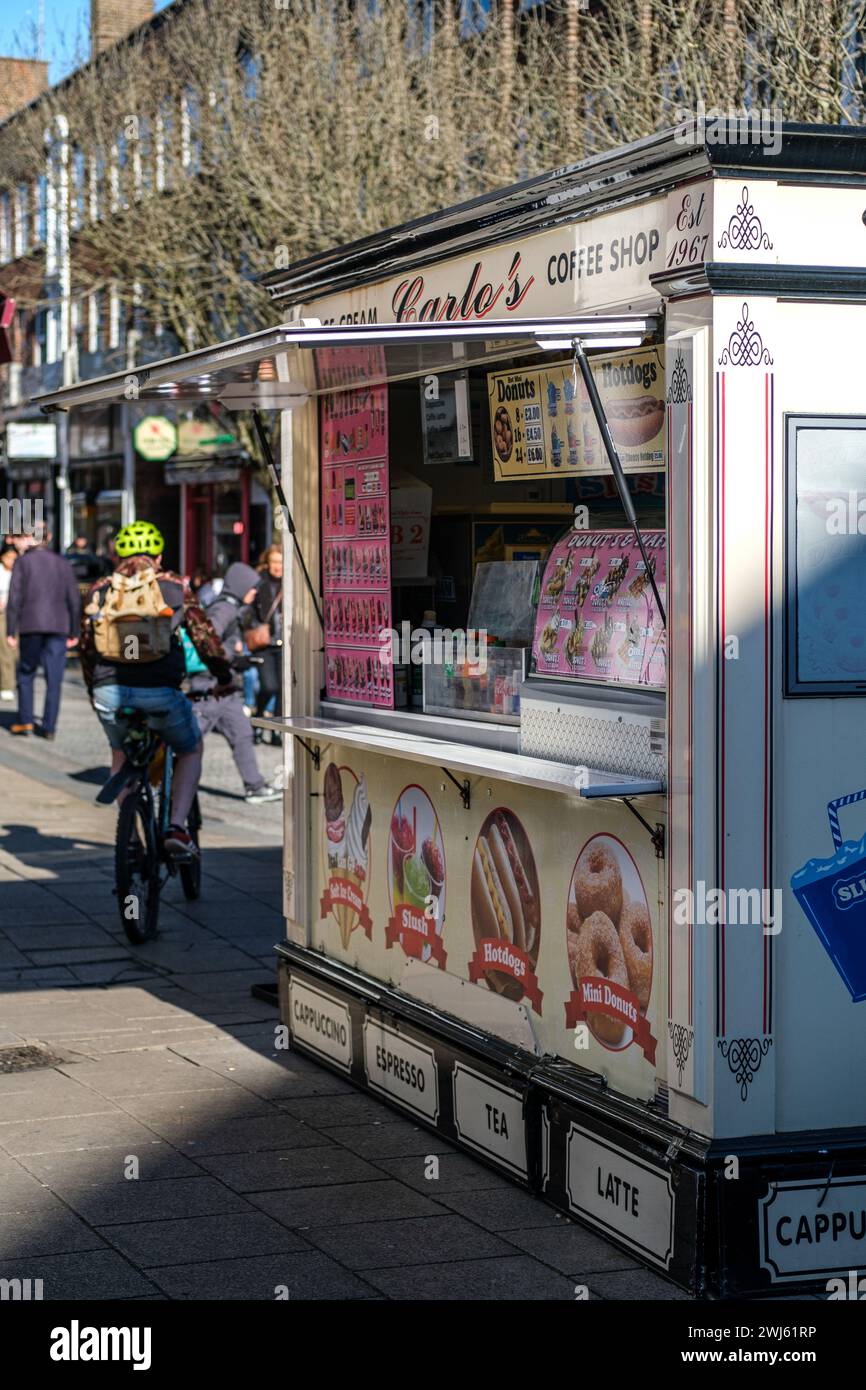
x: 265, y: 636
x: 42, y: 618
x: 8, y: 556
x: 224, y: 713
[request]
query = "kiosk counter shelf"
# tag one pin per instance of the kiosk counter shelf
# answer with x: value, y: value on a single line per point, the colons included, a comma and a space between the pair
x: 589, y: 903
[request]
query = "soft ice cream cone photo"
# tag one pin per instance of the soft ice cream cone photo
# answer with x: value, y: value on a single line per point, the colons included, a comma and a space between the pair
x: 347, y: 849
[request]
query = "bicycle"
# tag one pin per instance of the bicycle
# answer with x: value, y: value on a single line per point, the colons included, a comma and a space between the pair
x: 141, y: 866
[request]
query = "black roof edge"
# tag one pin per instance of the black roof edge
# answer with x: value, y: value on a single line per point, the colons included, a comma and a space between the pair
x: 643, y: 168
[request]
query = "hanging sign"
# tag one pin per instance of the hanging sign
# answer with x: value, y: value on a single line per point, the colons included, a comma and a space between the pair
x: 155, y: 438
x: 542, y: 425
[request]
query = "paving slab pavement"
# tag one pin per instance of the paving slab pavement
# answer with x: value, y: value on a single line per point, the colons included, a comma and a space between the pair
x: 172, y: 1151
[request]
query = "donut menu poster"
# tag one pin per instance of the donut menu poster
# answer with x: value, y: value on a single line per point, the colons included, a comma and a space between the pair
x: 597, y: 618
x: 542, y: 424
x: 356, y: 555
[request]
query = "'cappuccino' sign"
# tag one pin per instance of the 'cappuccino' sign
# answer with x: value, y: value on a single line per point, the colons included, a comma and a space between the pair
x: 811, y: 1229
x: 321, y: 1022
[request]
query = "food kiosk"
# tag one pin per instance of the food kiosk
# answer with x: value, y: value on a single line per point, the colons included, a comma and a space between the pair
x: 574, y: 852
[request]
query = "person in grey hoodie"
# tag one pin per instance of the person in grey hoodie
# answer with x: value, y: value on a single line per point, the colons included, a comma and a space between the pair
x: 224, y: 714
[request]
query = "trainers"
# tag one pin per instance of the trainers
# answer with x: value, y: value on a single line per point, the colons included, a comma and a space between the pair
x: 178, y: 842
x: 261, y: 794
x: 21, y: 730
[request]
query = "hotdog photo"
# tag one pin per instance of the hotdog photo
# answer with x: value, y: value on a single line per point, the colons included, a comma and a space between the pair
x: 506, y: 911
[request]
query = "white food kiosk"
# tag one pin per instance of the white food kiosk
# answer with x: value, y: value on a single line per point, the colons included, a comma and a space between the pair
x: 575, y: 864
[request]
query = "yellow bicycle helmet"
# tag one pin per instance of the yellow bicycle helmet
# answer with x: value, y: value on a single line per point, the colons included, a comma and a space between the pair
x: 139, y: 538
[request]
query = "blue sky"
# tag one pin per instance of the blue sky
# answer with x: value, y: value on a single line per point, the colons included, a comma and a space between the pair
x: 66, y: 30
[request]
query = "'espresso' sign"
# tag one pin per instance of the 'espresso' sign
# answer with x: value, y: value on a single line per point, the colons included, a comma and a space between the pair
x: 402, y: 1069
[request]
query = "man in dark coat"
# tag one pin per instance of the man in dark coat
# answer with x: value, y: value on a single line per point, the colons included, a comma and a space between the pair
x: 42, y: 618
x: 224, y: 713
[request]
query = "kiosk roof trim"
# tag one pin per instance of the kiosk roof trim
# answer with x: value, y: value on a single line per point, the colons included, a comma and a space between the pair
x: 638, y: 170
x: 225, y: 369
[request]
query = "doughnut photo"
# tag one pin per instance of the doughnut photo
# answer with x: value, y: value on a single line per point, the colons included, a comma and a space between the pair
x: 503, y: 434
x: 609, y: 943
x: 505, y: 905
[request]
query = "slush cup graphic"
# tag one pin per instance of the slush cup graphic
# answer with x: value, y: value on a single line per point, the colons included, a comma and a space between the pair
x: 832, y: 893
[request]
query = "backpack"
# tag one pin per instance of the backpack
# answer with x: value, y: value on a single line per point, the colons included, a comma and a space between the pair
x: 192, y: 661
x: 133, y: 623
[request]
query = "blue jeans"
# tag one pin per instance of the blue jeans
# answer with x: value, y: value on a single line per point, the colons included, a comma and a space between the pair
x: 48, y: 650
x: 169, y: 713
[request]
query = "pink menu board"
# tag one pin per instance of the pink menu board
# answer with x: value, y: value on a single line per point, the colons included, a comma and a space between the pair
x: 356, y: 550
x: 597, y: 618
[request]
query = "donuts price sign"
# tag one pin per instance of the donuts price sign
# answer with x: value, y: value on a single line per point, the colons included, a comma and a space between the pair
x: 610, y: 947
x: 542, y: 426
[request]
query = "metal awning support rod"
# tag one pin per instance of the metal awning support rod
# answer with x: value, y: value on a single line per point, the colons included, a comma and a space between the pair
x: 463, y: 787
x: 267, y: 452
x: 616, y: 467
x: 657, y: 835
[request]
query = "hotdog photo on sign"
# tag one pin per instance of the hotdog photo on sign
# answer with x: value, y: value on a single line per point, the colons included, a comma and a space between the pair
x: 632, y: 390
x: 505, y: 905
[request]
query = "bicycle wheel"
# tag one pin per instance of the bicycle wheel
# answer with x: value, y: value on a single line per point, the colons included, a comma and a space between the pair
x: 190, y: 870
x: 136, y: 867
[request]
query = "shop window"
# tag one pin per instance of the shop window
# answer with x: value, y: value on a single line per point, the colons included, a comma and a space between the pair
x: 825, y: 561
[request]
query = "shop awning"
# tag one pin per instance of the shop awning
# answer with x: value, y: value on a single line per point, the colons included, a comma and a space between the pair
x: 242, y: 372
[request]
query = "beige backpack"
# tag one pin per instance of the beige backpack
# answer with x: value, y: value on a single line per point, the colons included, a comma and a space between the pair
x: 133, y: 622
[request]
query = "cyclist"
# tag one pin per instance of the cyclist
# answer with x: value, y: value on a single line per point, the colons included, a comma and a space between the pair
x: 153, y: 685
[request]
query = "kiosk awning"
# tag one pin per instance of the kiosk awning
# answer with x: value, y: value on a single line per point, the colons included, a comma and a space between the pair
x: 242, y: 373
